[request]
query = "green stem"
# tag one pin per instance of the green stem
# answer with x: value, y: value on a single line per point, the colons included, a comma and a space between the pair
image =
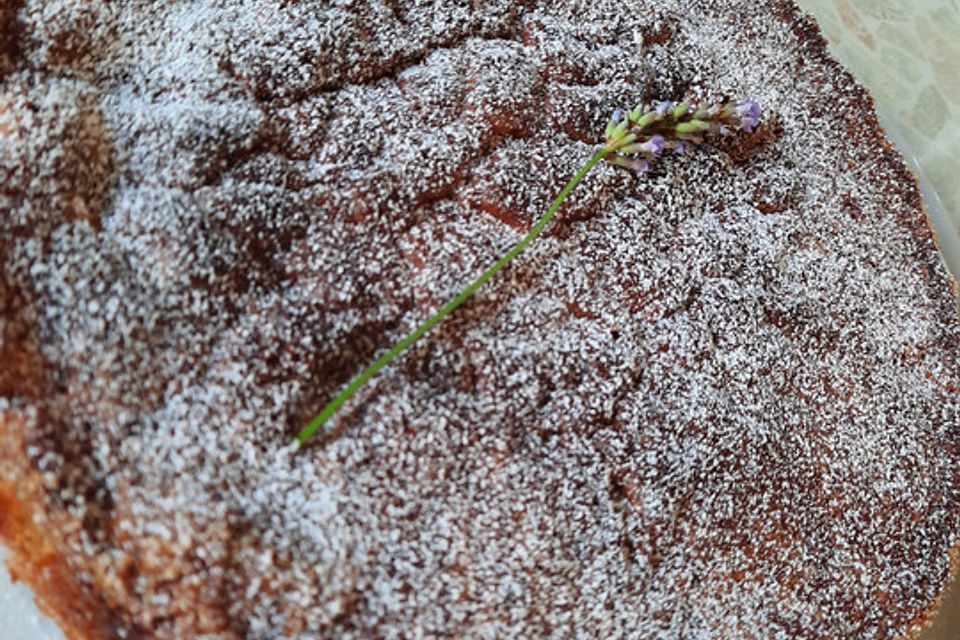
x: 380, y: 362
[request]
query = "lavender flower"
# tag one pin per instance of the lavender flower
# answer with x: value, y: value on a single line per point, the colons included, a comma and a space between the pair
x: 662, y: 107
x: 633, y: 140
x: 749, y: 113
x: 653, y: 146
x: 640, y: 166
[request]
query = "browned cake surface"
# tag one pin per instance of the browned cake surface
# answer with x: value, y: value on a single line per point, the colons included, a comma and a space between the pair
x: 720, y: 402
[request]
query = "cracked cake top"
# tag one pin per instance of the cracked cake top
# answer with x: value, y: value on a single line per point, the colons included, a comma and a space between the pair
x: 717, y: 402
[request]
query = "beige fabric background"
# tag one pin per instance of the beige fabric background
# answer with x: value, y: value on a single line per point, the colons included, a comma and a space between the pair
x: 907, y: 52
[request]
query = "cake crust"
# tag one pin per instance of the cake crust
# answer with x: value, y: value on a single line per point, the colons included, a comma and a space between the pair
x: 719, y: 400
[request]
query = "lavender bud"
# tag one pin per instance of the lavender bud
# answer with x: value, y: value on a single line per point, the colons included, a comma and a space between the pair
x: 749, y: 113
x: 640, y: 166
x: 620, y: 129
x: 653, y: 146
x: 681, y: 110
x: 694, y: 126
x: 609, y: 130
x: 647, y: 119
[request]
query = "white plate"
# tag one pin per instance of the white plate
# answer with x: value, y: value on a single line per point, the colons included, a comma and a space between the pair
x: 19, y: 614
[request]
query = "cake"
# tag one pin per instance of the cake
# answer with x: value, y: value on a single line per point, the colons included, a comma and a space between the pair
x: 717, y: 401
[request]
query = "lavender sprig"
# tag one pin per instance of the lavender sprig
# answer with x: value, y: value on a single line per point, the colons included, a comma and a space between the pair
x: 632, y: 140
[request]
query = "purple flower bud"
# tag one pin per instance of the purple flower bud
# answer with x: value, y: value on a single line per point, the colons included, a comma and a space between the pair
x: 653, y: 146
x: 617, y: 114
x: 749, y: 113
x: 663, y: 107
x: 679, y: 146
x: 640, y: 166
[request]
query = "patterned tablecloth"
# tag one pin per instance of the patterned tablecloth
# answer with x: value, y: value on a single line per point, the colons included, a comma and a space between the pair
x: 907, y: 52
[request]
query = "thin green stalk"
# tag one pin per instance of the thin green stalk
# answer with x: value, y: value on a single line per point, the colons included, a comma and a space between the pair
x: 445, y: 310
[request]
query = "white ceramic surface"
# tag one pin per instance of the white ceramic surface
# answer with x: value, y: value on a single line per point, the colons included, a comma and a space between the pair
x: 19, y: 617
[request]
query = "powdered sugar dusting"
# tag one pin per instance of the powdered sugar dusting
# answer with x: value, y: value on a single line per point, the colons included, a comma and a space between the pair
x: 720, y: 399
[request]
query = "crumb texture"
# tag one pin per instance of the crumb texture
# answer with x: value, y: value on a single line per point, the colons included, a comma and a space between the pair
x: 721, y: 402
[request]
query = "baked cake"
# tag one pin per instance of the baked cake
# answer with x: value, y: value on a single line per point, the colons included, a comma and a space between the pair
x: 720, y: 401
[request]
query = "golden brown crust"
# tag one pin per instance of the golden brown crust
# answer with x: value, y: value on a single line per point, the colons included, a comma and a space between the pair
x: 33, y: 555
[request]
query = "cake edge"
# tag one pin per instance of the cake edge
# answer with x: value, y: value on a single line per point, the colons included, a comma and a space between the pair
x: 33, y: 557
